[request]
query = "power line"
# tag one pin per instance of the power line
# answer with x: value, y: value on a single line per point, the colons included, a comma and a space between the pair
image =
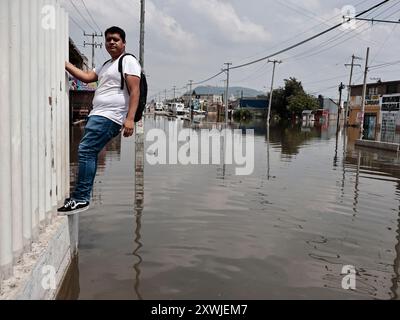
x: 304, y: 55
x: 387, y: 17
x: 327, y: 42
x: 310, y: 38
x: 84, y: 19
x: 323, y: 89
x: 90, y: 15
x: 383, y: 65
x: 297, y: 44
x: 214, y: 76
x: 253, y: 76
x: 303, y: 11
x: 323, y: 45
x: 384, y: 43
x: 338, y: 43
x: 323, y: 80
x: 301, y: 33
x: 74, y: 21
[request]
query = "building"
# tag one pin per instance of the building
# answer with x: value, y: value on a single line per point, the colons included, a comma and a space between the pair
x: 330, y: 108
x: 80, y: 94
x: 203, y: 101
x: 34, y: 153
x: 308, y: 116
x: 211, y: 98
x: 76, y: 57
x: 258, y: 106
x: 390, y: 109
x: 377, y: 88
x: 382, y: 105
x: 321, y: 116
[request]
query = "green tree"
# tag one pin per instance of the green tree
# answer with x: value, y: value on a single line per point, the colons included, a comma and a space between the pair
x: 300, y: 102
x: 279, y: 103
x: 281, y: 96
x: 292, y: 99
x: 293, y: 88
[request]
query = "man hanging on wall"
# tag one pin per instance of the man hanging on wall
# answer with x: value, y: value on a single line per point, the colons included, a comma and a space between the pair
x: 114, y: 109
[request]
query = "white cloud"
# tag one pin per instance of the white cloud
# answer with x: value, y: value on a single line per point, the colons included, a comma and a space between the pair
x: 167, y: 26
x: 158, y: 23
x: 224, y: 16
x: 192, y: 39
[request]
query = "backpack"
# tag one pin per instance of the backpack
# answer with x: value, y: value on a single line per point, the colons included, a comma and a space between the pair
x: 142, y: 87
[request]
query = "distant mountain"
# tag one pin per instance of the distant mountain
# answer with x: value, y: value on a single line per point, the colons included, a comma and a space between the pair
x: 235, y: 91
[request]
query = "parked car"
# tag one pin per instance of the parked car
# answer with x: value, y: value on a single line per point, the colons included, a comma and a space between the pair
x: 159, y: 106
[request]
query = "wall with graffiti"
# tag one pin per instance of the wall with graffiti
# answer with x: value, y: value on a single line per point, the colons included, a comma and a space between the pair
x: 77, y: 85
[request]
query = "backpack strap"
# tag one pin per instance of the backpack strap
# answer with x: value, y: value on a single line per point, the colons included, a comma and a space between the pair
x: 106, y: 62
x: 121, y: 71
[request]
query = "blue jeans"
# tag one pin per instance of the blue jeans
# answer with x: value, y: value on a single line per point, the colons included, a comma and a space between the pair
x: 98, y: 132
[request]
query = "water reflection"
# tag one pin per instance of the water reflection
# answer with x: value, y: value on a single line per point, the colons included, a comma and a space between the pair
x: 139, y: 245
x: 314, y: 203
x: 385, y: 166
x: 268, y: 159
x: 139, y: 203
x: 70, y: 289
x: 396, y: 264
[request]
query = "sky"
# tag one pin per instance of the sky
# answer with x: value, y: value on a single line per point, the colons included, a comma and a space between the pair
x: 192, y: 39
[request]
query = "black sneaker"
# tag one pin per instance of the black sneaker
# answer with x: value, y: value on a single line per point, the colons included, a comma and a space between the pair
x: 72, y: 207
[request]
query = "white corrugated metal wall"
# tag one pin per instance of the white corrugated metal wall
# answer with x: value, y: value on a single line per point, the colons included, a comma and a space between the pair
x: 34, y: 123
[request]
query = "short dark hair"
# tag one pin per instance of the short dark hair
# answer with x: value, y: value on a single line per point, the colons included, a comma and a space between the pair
x: 118, y: 30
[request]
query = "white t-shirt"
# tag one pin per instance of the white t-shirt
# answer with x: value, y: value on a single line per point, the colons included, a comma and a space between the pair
x: 109, y: 100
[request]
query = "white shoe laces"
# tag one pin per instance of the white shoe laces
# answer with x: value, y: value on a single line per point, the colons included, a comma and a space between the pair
x: 69, y: 203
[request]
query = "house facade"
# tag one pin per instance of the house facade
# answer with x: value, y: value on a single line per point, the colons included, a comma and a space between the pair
x: 382, y: 105
x: 330, y: 108
x: 80, y: 94
x: 258, y: 106
x: 203, y: 101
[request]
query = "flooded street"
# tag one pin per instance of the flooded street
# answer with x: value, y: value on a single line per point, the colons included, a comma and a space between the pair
x: 313, y: 205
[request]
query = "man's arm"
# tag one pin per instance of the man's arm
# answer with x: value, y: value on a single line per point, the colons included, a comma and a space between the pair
x: 133, y: 83
x: 81, y: 75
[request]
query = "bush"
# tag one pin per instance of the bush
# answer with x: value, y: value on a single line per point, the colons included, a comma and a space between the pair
x: 242, y: 114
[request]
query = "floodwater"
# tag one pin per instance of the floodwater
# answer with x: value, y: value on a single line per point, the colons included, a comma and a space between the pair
x: 313, y: 205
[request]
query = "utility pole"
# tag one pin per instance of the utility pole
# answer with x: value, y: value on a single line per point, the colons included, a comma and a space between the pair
x: 139, y: 131
x: 174, y: 92
x: 353, y: 57
x: 272, y: 88
x: 165, y: 95
x: 341, y: 87
x: 142, y: 20
x: 190, y: 99
x: 93, y: 44
x: 363, y: 95
x: 228, y: 64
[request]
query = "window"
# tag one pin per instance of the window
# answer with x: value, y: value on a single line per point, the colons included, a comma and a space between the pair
x: 372, y: 91
x: 391, y: 103
x: 391, y: 89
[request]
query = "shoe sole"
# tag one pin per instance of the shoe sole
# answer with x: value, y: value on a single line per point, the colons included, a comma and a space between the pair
x: 71, y: 213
